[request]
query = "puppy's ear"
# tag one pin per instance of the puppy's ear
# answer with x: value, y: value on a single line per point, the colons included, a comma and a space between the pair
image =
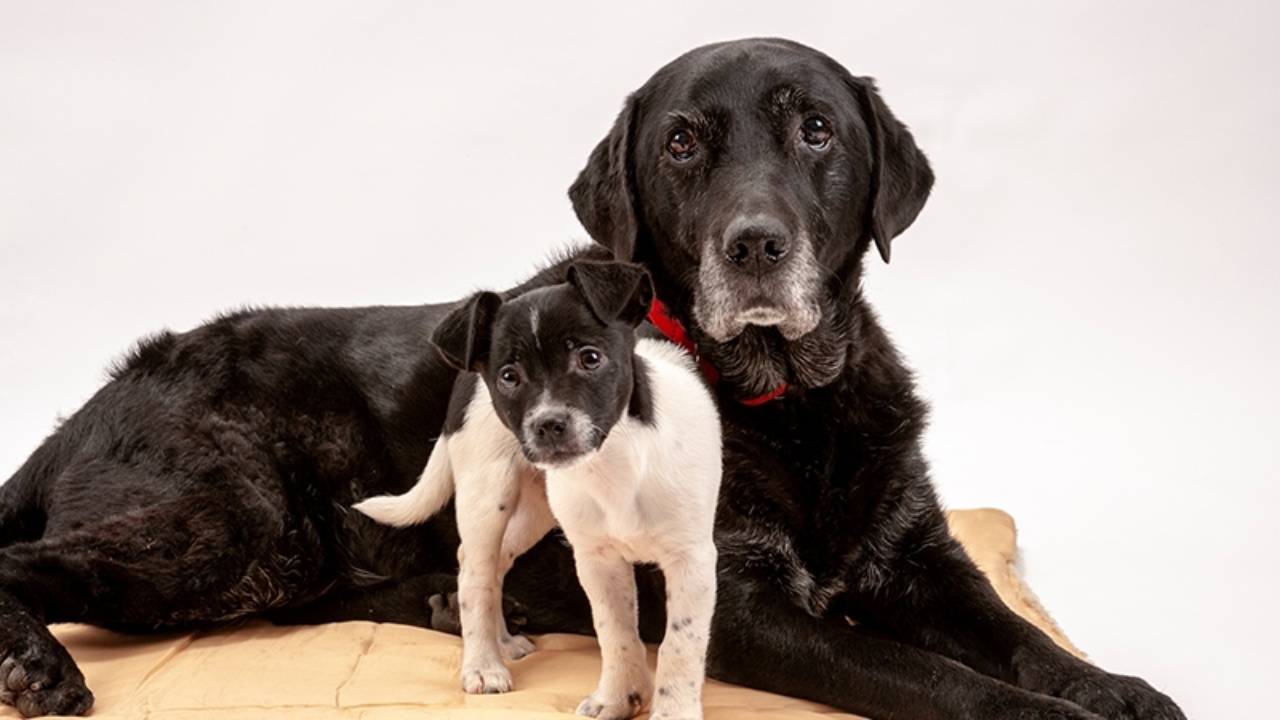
x: 463, y: 335
x: 614, y: 290
x: 900, y: 173
x: 602, y: 195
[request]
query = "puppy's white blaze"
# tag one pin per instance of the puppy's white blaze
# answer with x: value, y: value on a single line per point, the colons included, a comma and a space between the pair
x: 541, y: 407
x: 487, y: 444
x: 533, y: 327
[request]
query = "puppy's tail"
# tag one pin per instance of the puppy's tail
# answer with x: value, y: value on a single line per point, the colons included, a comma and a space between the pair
x: 433, y: 490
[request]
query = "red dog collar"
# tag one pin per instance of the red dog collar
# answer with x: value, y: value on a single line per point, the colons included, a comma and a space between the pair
x: 661, y: 317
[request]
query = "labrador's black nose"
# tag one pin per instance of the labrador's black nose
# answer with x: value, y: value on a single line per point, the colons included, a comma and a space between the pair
x: 757, y: 243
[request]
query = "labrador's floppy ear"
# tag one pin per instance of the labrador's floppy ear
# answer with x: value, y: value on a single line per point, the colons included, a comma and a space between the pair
x: 614, y: 290
x: 602, y: 195
x: 463, y: 335
x: 900, y: 173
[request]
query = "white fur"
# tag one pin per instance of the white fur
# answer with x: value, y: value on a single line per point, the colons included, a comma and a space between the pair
x: 502, y: 511
x: 723, y: 307
x: 648, y: 495
x: 579, y: 425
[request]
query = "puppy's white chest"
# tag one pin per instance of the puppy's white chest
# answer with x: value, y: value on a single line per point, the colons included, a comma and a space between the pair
x: 606, y: 506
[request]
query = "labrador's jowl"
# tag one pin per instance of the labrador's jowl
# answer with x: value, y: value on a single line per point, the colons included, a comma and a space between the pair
x: 212, y: 477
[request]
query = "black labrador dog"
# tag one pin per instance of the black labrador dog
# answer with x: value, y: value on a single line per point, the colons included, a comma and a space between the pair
x: 210, y: 479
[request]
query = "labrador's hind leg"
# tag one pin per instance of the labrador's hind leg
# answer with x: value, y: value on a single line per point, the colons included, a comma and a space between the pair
x: 197, y: 558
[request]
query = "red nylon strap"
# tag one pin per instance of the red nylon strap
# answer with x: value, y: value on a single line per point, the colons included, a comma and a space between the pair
x: 662, y: 319
x: 773, y: 394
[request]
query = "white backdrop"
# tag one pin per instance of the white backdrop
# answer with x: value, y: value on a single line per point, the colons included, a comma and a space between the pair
x: 1090, y: 298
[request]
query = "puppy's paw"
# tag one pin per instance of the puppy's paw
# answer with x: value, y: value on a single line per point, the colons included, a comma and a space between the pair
x: 43, y: 681
x: 515, y: 647
x: 486, y: 680
x: 1120, y: 697
x: 599, y: 705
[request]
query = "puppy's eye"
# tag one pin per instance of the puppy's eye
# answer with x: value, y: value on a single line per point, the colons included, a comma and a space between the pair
x: 681, y: 146
x: 590, y: 358
x: 815, y: 131
x: 508, y: 378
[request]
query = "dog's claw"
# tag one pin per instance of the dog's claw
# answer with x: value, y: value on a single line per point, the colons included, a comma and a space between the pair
x: 31, y: 685
x: 487, y: 680
x: 611, y: 709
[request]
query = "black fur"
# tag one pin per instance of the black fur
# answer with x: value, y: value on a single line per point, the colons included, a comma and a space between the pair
x: 463, y: 392
x: 725, y: 173
x: 210, y: 478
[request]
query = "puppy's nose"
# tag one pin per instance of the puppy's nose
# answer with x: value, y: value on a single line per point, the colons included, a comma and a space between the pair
x: 758, y: 242
x: 551, y: 426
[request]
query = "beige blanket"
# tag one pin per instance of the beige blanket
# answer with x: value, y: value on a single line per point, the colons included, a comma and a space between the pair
x: 368, y: 671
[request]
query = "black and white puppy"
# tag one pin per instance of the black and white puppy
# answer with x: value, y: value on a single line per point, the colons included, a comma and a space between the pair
x: 210, y: 479
x: 626, y: 438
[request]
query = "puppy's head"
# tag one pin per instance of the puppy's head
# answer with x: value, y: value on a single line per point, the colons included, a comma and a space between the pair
x: 751, y: 177
x: 558, y: 360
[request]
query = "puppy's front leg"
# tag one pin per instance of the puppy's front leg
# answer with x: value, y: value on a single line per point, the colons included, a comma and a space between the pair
x: 682, y: 658
x: 531, y: 521
x: 486, y: 498
x: 625, y: 688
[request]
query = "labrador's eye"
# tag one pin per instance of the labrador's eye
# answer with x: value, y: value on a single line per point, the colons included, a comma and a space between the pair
x: 590, y: 358
x: 815, y: 131
x: 681, y: 146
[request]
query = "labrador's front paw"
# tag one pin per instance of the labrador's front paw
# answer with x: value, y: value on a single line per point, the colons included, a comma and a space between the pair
x: 42, y: 679
x: 1120, y: 697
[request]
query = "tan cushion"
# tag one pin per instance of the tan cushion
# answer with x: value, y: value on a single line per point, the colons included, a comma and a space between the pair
x: 382, y: 672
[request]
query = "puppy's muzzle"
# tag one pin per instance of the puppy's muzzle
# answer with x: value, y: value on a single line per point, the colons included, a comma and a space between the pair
x: 556, y: 438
